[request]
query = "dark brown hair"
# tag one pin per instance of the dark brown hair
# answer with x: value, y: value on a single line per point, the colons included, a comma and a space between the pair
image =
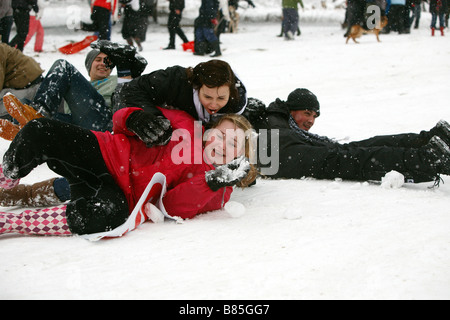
x: 213, y: 74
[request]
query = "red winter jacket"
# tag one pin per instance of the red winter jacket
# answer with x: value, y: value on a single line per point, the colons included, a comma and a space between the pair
x: 133, y: 165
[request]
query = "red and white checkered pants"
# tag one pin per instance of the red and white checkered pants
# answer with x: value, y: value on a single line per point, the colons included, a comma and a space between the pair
x: 49, y: 221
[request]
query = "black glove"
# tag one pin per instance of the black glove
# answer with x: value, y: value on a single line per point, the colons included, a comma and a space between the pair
x: 152, y: 129
x: 250, y: 2
x: 125, y: 57
x: 229, y: 174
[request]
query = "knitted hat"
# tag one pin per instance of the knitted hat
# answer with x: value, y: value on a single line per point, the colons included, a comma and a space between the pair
x: 90, y: 57
x: 303, y: 99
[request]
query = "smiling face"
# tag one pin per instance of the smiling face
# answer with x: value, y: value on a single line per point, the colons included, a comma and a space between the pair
x: 99, y: 71
x: 305, y: 119
x: 214, y: 99
x: 224, y: 143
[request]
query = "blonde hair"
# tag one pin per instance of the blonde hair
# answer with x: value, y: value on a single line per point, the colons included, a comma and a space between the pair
x: 242, y: 123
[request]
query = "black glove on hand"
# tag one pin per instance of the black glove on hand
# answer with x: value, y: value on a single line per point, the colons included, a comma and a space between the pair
x: 229, y: 174
x: 153, y: 130
x: 125, y: 57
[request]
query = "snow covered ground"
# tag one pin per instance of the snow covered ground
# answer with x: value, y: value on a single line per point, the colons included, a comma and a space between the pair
x: 298, y: 239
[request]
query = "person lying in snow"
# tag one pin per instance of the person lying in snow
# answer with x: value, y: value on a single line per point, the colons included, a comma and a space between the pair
x: 209, y: 89
x: 88, y: 103
x: 419, y: 157
x: 19, y: 73
x: 109, y: 172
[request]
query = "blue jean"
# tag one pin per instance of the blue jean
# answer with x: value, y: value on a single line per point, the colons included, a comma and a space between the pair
x: 88, y: 108
x: 434, y: 17
x: 205, y: 34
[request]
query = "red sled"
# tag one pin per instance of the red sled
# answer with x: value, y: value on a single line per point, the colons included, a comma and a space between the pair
x: 75, y: 47
x: 188, y: 46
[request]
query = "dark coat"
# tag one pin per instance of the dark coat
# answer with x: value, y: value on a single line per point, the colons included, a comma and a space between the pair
x: 25, y: 4
x: 436, y: 7
x: 176, y: 5
x: 208, y: 11
x: 170, y: 87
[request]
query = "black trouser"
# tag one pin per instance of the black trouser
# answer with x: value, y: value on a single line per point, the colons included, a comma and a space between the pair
x: 396, y: 18
x: 22, y: 22
x: 100, y: 23
x: 97, y: 202
x: 5, y: 28
x: 361, y: 161
x: 174, y: 28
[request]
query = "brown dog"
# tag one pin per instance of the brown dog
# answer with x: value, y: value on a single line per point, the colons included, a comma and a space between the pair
x: 357, y: 31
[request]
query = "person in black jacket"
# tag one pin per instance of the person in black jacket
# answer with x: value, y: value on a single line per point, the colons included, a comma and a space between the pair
x: 209, y: 89
x: 419, y: 157
x: 176, y: 8
x: 21, y: 14
x: 204, y: 29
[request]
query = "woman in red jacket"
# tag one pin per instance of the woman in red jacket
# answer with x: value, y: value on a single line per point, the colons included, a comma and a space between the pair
x: 109, y: 172
x: 101, y: 11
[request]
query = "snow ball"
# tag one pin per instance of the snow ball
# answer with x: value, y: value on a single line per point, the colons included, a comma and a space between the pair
x: 392, y: 180
x: 235, y: 209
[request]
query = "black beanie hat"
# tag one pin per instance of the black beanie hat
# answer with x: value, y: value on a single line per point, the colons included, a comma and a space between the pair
x: 303, y: 99
x: 90, y: 57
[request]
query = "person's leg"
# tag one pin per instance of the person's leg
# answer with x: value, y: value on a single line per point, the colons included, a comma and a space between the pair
x: 39, y: 42
x: 31, y: 29
x: 212, y: 39
x: 295, y: 19
x: 408, y: 140
x: 97, y: 203
x: 104, y: 23
x: 22, y: 22
x: 64, y: 82
x: 5, y: 28
x: 360, y: 164
x: 286, y: 21
x: 178, y: 29
x: 171, y: 27
x: 441, y: 23
x: 49, y: 221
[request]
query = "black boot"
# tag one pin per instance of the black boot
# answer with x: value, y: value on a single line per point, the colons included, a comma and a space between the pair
x: 216, y: 48
x: 442, y: 130
x: 438, y: 154
x: 199, y: 48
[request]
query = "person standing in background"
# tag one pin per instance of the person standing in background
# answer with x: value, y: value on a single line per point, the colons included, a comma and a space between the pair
x: 176, y: 8
x: 416, y: 13
x: 135, y: 22
x: 290, y: 17
x: 437, y: 8
x: 21, y: 15
x: 101, y: 17
x: 204, y: 29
